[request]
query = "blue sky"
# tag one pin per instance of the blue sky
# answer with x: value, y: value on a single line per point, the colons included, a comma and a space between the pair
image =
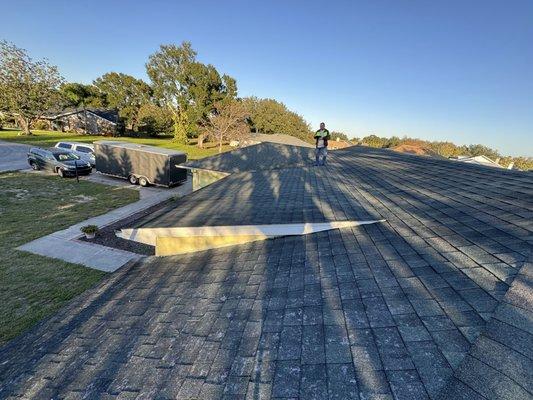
x: 440, y: 70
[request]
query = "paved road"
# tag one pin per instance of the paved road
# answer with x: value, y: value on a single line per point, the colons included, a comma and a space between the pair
x: 13, y: 156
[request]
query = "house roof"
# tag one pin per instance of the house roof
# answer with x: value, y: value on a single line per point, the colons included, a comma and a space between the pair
x: 280, y: 139
x: 109, y: 115
x: 433, y: 303
x: 262, y: 156
x: 480, y: 160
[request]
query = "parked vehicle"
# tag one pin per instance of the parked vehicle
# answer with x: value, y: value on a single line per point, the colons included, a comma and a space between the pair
x: 62, y: 162
x: 82, y: 150
x: 140, y: 164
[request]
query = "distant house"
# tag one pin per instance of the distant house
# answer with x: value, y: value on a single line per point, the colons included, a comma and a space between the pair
x: 88, y: 121
x: 479, y: 160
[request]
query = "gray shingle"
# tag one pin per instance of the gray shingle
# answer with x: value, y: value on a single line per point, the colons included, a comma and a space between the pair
x: 489, y: 382
x: 406, y: 385
x: 509, y: 362
x: 385, y: 310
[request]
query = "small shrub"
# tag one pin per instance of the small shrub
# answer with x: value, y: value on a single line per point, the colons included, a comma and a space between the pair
x: 40, y: 125
x: 89, y: 229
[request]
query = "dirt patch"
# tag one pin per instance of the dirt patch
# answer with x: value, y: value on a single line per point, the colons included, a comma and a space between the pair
x: 79, y: 199
x: 19, y: 194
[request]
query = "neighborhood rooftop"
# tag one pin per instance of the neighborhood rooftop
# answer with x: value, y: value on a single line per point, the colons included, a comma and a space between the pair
x: 435, y: 302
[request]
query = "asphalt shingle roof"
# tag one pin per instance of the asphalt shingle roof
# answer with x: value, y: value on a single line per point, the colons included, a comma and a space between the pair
x: 433, y: 303
x: 262, y: 156
x: 281, y: 139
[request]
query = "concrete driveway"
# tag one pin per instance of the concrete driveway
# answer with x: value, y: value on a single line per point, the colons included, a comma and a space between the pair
x: 13, y: 156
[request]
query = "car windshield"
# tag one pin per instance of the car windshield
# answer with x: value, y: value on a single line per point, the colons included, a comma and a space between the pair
x: 66, y: 157
x: 84, y: 150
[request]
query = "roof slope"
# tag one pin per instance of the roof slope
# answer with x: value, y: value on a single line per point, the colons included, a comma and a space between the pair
x: 280, y: 139
x: 107, y: 114
x: 410, y: 308
x: 262, y: 156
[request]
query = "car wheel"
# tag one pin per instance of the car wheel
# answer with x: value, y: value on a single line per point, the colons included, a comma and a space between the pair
x: 143, y: 181
x: 60, y: 173
x: 34, y: 166
x: 132, y: 179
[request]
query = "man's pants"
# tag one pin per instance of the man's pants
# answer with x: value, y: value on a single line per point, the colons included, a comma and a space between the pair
x: 321, y: 153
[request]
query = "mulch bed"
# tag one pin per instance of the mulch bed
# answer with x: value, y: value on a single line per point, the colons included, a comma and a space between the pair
x: 106, y: 236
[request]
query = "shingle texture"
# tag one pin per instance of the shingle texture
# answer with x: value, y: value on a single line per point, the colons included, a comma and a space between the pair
x: 281, y: 139
x: 435, y: 303
x: 262, y: 156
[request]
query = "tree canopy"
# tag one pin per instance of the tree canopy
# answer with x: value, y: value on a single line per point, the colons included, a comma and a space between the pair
x: 270, y: 116
x: 28, y: 88
x: 80, y: 95
x: 153, y: 119
x: 124, y: 93
x: 187, y: 87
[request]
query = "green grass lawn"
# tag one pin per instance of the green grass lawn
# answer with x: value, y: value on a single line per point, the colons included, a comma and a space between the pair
x: 50, y: 138
x: 31, y: 206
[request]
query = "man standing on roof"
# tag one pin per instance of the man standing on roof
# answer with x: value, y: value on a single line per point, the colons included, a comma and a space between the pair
x: 322, y: 137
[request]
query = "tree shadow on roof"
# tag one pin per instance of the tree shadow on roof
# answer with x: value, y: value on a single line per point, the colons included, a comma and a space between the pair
x: 262, y: 156
x: 363, y: 311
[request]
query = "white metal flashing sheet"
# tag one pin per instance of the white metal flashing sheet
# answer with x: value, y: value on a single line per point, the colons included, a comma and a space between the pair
x: 149, y: 235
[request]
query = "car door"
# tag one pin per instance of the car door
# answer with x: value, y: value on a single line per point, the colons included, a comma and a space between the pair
x: 49, y: 161
x: 39, y: 157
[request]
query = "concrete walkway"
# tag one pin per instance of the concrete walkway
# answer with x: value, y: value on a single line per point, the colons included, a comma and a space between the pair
x: 64, y: 245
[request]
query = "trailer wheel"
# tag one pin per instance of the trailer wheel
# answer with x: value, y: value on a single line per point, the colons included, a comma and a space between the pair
x: 143, y: 181
x: 132, y: 179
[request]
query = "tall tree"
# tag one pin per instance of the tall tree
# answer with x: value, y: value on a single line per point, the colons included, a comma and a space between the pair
x: 168, y: 69
x: 270, y: 116
x: 229, y: 87
x: 188, y: 87
x: 28, y: 88
x: 125, y: 93
x: 204, y: 90
x: 229, y: 122
x: 212, y: 92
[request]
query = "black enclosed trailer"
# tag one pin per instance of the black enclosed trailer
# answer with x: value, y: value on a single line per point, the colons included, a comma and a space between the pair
x: 140, y: 163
